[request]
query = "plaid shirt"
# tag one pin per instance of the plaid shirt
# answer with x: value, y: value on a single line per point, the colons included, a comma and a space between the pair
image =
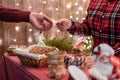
x: 102, y: 22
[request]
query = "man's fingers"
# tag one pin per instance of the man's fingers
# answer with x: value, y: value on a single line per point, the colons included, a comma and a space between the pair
x: 40, y: 21
x: 48, y: 19
x: 46, y: 25
x: 36, y: 24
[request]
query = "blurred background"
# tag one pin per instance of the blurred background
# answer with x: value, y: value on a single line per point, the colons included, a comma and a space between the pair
x: 13, y: 33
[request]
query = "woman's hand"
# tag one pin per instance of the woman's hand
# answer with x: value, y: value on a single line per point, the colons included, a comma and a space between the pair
x: 64, y: 24
x: 40, y: 21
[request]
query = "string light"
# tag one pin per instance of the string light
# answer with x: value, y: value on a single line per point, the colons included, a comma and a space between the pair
x: 71, y: 16
x: 80, y: 8
x: 58, y: 31
x: 88, y: 37
x: 77, y: 18
x: 56, y: 9
x: 84, y: 0
x: 69, y: 5
x: 17, y: 4
x: 85, y: 12
x: 14, y: 40
x: 30, y: 7
x: 70, y: 35
x: 17, y: 28
x: 77, y: 12
x: 41, y: 12
x: 86, y: 41
x: 76, y: 4
x: 29, y: 39
x: 44, y: 2
x: 30, y: 30
x: 0, y: 41
x: 83, y: 18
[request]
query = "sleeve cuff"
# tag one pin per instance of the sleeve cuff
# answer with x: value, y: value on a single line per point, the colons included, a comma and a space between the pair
x: 73, y: 26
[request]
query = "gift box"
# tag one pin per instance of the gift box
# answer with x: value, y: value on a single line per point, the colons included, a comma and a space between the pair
x: 72, y: 59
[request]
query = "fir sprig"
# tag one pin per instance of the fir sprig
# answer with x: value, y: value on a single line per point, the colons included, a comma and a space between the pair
x: 62, y: 44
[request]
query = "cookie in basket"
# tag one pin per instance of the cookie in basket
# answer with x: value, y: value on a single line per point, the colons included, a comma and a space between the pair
x: 42, y: 50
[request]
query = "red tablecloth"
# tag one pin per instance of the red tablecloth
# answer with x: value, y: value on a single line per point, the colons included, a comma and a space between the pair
x: 11, y: 69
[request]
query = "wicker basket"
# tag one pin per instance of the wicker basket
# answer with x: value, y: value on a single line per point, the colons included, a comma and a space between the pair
x: 30, y: 59
x: 32, y: 62
x: 12, y: 47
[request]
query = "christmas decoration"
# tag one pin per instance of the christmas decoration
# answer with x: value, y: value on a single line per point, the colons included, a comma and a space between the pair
x: 104, y: 69
x: 61, y: 44
x: 40, y: 40
x: 88, y: 45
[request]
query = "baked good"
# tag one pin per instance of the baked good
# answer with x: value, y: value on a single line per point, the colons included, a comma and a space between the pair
x: 41, y: 50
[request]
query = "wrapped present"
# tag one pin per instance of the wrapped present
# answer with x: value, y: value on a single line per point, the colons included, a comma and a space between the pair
x: 75, y: 60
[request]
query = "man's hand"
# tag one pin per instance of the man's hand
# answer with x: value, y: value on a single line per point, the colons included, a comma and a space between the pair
x: 64, y: 24
x: 89, y: 61
x: 40, y: 21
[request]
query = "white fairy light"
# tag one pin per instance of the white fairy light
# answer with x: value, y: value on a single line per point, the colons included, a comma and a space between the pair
x: 85, y: 12
x: 88, y: 47
x: 83, y: 18
x: 76, y: 4
x: 14, y: 40
x: 41, y: 12
x: 58, y: 31
x: 77, y: 18
x: 70, y: 35
x: 77, y: 12
x: 86, y: 41
x: 44, y: 2
x: 30, y: 39
x: 89, y: 38
x: 17, y: 28
x: 57, y: 9
x: 69, y: 5
x: 30, y: 30
x: 1, y: 41
x: 90, y: 41
x: 80, y: 8
x: 30, y: 7
x: 71, y: 16
x: 84, y: 0
x: 17, y: 4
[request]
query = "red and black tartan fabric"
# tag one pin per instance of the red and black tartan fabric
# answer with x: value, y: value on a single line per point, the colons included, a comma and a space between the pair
x: 11, y: 69
x: 3, y: 75
x: 102, y: 22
